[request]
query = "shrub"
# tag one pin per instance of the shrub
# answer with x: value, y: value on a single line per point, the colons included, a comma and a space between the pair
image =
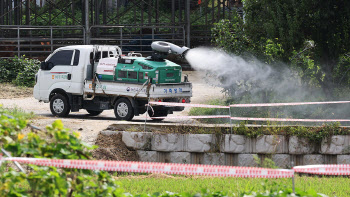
x: 26, y: 77
x: 55, y: 142
x: 20, y: 71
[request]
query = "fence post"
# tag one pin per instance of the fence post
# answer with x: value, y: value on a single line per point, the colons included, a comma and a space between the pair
x: 229, y: 109
x: 18, y: 43
x: 293, y: 178
x: 144, y: 129
x: 51, y: 39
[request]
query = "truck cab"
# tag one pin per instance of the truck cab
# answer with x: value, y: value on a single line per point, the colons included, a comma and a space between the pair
x: 98, y: 78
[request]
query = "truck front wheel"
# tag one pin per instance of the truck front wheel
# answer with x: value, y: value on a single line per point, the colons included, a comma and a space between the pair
x: 123, y: 109
x: 59, y: 105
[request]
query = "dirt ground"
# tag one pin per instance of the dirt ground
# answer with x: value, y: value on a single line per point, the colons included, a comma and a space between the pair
x: 9, y: 91
x: 89, y: 126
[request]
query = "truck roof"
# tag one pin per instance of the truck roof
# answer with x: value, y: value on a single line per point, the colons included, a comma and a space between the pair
x: 103, y: 47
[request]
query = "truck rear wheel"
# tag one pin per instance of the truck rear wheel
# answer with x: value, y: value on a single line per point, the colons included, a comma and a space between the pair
x: 93, y: 112
x: 123, y: 109
x: 157, y: 114
x: 59, y: 105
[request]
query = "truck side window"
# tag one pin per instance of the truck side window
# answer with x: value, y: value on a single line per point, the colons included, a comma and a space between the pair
x: 132, y: 75
x: 76, y: 58
x: 145, y: 67
x: 63, y: 57
x: 121, y: 74
x: 140, y: 75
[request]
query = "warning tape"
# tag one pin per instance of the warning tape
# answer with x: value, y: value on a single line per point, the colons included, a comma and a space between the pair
x: 191, y: 117
x: 255, y: 119
x: 188, y: 105
x: 166, y: 168
x: 286, y: 104
x: 184, y: 169
x: 343, y: 169
x: 246, y: 105
x: 290, y: 119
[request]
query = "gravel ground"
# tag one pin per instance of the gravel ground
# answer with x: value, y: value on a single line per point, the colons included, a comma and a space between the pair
x: 89, y: 126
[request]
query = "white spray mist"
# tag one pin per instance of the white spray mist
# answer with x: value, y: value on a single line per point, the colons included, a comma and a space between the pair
x: 242, y: 76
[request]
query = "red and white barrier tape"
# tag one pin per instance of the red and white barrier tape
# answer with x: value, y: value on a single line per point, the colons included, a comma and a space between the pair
x: 246, y: 105
x: 324, y: 169
x: 192, y: 117
x: 188, y: 105
x: 167, y: 168
x: 290, y: 119
x: 184, y: 169
x: 254, y: 119
x: 287, y: 104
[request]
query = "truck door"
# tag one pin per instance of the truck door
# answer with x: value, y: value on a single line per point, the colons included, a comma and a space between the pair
x: 77, y: 76
x: 58, y: 74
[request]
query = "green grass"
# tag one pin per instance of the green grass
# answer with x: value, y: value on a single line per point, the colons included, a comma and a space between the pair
x: 331, y: 186
x: 18, y: 112
x: 195, y: 111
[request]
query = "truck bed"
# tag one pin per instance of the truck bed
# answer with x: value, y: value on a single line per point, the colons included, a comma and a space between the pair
x: 168, y: 90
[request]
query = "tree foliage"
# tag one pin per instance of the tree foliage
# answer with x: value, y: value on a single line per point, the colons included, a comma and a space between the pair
x: 311, y: 36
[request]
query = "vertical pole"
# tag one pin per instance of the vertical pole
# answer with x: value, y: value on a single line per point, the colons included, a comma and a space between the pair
x: 50, y: 11
x: 212, y: 11
x: 173, y: 18
x: 10, y: 19
x: 206, y: 13
x: 218, y: 14
x: 229, y: 109
x: 15, y: 12
x: 293, y: 178
x: 144, y: 128
x: 18, y: 44
x: 223, y: 8
x: 121, y: 38
x: 152, y: 34
x: 51, y: 39
x: 180, y: 11
x: 73, y: 13
x: 27, y: 12
x: 87, y: 28
x: 105, y: 11
x: 149, y: 12
x: 142, y: 12
x: 157, y: 13
x: 2, y: 9
x: 188, y: 23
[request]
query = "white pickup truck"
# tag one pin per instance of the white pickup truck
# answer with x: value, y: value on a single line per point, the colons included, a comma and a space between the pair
x: 97, y: 78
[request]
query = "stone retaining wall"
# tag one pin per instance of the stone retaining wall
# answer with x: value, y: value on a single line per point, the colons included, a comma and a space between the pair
x: 236, y: 150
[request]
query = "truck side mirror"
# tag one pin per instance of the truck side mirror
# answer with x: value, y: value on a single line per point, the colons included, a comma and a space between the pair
x: 43, y: 66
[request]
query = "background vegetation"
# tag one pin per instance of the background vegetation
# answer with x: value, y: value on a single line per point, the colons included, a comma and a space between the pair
x: 304, y: 37
x: 309, y: 36
x: 19, y: 71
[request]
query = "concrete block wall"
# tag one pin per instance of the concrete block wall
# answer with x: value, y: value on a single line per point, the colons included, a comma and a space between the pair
x: 236, y: 150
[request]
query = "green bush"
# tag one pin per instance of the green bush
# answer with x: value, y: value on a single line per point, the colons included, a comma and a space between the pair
x: 26, y: 77
x: 20, y: 71
x: 53, y: 142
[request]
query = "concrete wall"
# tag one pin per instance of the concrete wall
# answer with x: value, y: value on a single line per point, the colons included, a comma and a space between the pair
x: 236, y: 150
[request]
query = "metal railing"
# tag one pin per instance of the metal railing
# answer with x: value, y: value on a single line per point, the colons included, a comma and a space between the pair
x: 38, y: 42
x: 35, y: 41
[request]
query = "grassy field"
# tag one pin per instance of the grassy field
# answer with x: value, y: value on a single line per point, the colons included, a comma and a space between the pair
x: 331, y: 186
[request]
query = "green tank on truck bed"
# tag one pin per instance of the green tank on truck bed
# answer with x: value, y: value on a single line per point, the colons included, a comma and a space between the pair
x: 139, y: 70
x: 97, y: 78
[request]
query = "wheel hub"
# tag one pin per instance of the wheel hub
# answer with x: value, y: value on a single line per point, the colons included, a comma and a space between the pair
x: 122, y: 109
x: 58, y: 106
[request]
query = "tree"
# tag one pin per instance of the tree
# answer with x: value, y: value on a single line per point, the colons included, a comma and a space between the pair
x: 326, y: 23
